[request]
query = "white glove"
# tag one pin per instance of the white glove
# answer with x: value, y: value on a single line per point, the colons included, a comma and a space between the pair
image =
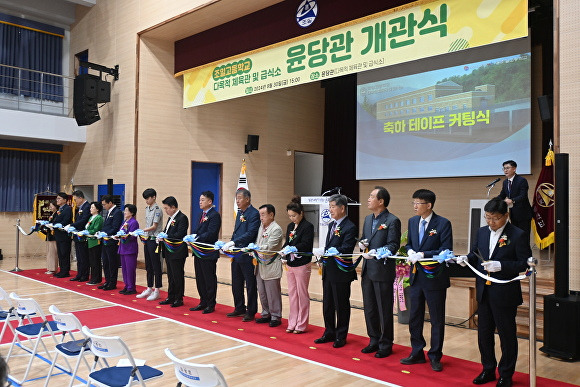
x: 318, y: 251
x: 66, y: 227
x: 491, y: 266
x: 410, y: 252
x: 369, y: 255
x: 413, y: 258
x: 282, y: 254
x: 362, y: 245
x: 228, y: 246
x: 264, y: 247
x: 284, y: 261
x: 461, y: 260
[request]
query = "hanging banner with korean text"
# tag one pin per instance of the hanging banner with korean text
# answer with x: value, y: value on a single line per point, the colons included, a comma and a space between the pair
x: 417, y: 30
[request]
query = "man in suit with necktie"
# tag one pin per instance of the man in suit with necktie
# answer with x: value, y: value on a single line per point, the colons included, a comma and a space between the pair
x: 428, y: 235
x: 207, y: 230
x: 336, y: 283
x: 62, y: 238
x: 109, y: 254
x: 176, y: 230
x: 500, y: 251
x: 81, y: 247
x: 514, y: 192
x: 380, y: 229
x: 245, y: 232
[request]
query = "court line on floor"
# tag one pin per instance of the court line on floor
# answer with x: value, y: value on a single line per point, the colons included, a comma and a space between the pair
x: 225, y: 336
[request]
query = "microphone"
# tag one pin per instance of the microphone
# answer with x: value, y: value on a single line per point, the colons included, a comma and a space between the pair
x: 492, y: 183
x: 335, y: 189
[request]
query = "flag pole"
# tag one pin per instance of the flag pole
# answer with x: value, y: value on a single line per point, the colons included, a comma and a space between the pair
x: 532, y: 342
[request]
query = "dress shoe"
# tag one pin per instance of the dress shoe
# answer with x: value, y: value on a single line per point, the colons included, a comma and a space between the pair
x: 196, y: 308
x: 297, y: 332
x: 93, y: 283
x: 110, y: 287
x: 324, y: 339
x: 129, y: 292
x: 62, y: 275
x: 370, y: 348
x: 339, y: 343
x: 75, y: 279
x: 177, y: 303
x: 263, y: 320
x: 413, y: 360
x: 235, y: 313
x: 484, y: 377
x: 103, y: 285
x: 247, y: 318
x: 383, y: 353
x: 436, y: 365
x: 275, y: 323
x: 504, y: 382
x: 209, y: 309
x: 289, y: 330
x: 167, y: 301
x: 123, y: 291
x: 83, y: 279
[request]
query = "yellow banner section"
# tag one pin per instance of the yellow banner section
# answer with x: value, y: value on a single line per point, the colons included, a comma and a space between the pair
x: 414, y: 31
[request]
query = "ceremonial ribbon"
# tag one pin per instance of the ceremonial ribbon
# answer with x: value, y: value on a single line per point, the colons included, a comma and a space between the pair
x: 499, y: 281
x: 401, y: 272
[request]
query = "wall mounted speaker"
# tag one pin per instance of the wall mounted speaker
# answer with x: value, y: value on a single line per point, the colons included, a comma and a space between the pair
x: 252, y: 143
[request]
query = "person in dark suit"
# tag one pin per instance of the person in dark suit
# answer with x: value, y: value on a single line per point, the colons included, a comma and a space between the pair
x: 380, y: 229
x: 109, y: 253
x: 176, y: 229
x: 514, y: 192
x: 428, y: 235
x: 245, y: 232
x: 336, y: 282
x: 500, y: 251
x: 207, y: 230
x: 83, y: 213
x: 63, y: 239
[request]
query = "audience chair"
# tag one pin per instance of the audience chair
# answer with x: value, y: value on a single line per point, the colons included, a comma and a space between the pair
x: 34, y: 331
x: 9, y: 315
x: 191, y: 374
x: 118, y: 376
x: 73, y: 348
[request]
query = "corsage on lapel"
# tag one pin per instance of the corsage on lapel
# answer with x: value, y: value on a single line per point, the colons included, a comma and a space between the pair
x: 204, y: 219
x: 432, y: 232
x: 172, y: 223
x: 337, y: 231
x: 382, y: 227
x: 503, y: 241
x: 242, y: 218
x: 292, y: 235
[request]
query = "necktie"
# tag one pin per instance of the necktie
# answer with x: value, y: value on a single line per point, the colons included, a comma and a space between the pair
x: 202, y: 217
x: 509, y: 188
x: 422, y: 230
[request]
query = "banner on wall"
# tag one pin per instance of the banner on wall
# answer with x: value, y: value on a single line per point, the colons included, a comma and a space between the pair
x: 543, y: 206
x: 417, y: 30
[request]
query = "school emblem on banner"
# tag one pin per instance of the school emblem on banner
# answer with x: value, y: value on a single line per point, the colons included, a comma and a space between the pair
x: 543, y: 223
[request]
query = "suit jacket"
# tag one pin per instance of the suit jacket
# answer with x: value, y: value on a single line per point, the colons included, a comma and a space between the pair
x: 303, y: 240
x: 47, y: 231
x: 92, y: 227
x: 208, y: 231
x: 129, y: 245
x: 522, y: 210
x: 389, y: 237
x: 82, y: 216
x: 271, y: 239
x: 176, y: 231
x: 513, y: 257
x: 344, y: 243
x: 64, y: 217
x: 112, y: 224
x: 438, y: 237
x: 246, y: 232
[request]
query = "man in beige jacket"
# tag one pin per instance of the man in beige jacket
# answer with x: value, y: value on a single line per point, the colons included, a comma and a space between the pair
x: 269, y: 269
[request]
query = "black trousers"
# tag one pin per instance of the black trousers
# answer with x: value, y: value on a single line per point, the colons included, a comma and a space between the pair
x: 63, y: 250
x: 82, y: 250
x: 243, y: 272
x: 491, y: 316
x: 153, y: 264
x: 111, y: 262
x: 336, y: 308
x: 436, y: 302
x: 175, y: 278
x: 206, y: 280
x: 95, y: 267
x: 378, y: 309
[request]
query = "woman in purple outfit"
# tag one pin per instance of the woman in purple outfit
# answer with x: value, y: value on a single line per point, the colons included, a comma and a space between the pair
x: 128, y: 250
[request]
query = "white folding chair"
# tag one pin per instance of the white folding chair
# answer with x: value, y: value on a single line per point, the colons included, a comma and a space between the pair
x: 118, y: 376
x: 33, y: 331
x: 74, y: 348
x: 9, y: 315
x: 191, y: 374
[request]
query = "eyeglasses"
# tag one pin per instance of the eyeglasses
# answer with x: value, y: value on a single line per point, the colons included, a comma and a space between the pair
x: 418, y: 203
x: 492, y: 218
x: 506, y: 168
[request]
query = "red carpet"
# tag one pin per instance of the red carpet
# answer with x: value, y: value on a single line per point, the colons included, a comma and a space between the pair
x: 94, y: 318
x: 456, y: 371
